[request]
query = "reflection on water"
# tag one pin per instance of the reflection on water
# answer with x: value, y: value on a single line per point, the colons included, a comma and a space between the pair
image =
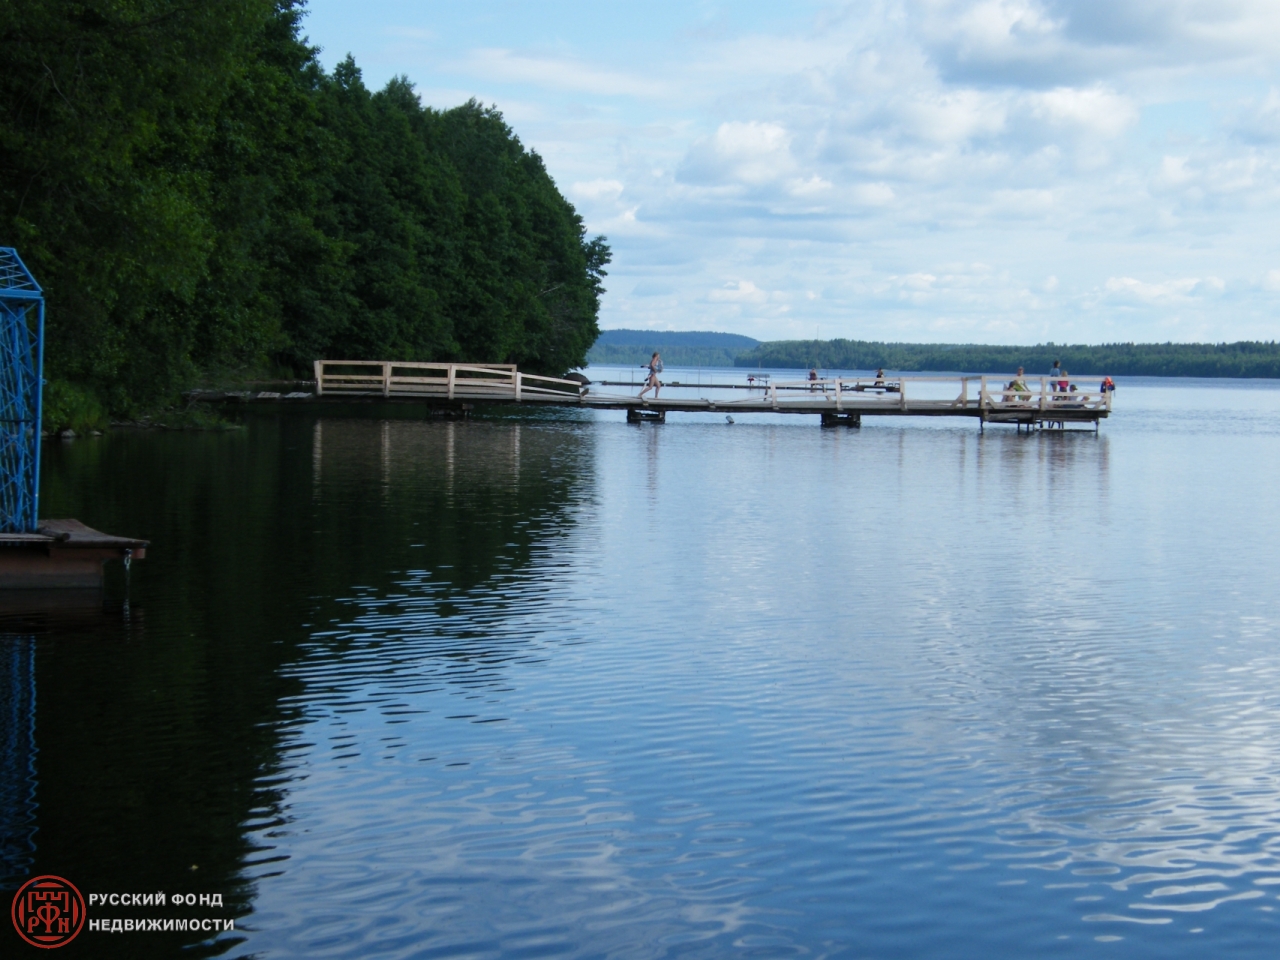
x: 17, y: 758
x: 523, y: 685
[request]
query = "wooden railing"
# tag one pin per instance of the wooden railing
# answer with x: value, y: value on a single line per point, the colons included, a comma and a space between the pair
x: 990, y: 393
x: 988, y: 397
x: 447, y: 381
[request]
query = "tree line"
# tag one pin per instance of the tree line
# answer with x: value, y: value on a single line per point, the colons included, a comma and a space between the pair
x: 684, y: 348
x: 628, y: 355
x: 1245, y: 359
x: 200, y: 198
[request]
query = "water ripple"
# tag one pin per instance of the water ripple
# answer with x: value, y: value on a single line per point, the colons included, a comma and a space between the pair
x: 779, y: 690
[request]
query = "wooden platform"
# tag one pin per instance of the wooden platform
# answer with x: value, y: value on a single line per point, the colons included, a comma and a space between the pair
x: 836, y: 400
x: 62, y: 553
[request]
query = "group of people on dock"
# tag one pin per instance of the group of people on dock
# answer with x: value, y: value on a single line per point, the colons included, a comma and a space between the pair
x: 1017, y: 391
x: 1059, y: 384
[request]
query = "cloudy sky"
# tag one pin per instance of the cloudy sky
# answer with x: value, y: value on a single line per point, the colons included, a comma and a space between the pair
x: 999, y: 171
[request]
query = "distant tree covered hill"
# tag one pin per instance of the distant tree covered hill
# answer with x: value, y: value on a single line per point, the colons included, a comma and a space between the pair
x: 693, y: 348
x: 1246, y: 359
x: 198, y: 196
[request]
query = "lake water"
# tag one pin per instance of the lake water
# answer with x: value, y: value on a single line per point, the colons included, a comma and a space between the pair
x: 551, y: 685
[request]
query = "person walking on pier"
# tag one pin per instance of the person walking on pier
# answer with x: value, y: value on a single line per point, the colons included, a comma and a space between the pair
x: 655, y: 368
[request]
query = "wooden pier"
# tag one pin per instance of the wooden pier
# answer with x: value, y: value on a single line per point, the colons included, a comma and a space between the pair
x: 836, y: 400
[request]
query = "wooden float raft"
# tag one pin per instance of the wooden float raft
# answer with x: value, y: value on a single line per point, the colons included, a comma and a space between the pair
x: 62, y: 554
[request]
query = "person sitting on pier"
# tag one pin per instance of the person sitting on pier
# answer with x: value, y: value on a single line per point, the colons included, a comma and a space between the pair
x: 880, y: 377
x: 813, y: 378
x: 1017, y: 389
x: 1108, y: 386
x: 652, y: 383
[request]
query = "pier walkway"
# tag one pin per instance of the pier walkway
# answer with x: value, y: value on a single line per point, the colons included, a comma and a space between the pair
x: 838, y: 400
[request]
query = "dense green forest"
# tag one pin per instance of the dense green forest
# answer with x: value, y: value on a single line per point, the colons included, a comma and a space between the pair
x: 693, y: 348
x: 200, y: 198
x: 1244, y: 359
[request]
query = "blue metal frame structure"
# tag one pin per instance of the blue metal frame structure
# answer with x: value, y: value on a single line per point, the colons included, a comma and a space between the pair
x: 21, y: 377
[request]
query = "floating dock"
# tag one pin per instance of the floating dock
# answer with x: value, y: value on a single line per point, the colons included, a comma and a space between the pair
x: 62, y: 553
x: 1037, y: 402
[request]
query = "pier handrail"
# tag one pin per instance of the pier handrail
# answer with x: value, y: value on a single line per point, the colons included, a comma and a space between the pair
x: 993, y: 392
x: 421, y: 378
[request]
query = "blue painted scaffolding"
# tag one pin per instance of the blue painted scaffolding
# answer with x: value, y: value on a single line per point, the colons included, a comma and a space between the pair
x: 21, y: 372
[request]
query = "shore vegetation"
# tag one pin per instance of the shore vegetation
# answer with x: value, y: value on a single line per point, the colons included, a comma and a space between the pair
x: 1245, y: 359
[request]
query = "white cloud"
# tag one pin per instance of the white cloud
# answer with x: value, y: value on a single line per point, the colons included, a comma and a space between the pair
x: 1168, y: 291
x: 751, y: 153
x: 1096, y: 109
x: 738, y: 291
x: 873, y: 194
x: 412, y: 33
x: 1261, y: 121
x: 1174, y: 171
x: 989, y: 29
x: 814, y: 186
x: 558, y: 73
x: 1043, y: 43
x: 599, y: 189
x: 952, y: 116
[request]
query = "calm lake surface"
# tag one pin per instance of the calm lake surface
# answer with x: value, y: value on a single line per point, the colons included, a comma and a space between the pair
x: 552, y: 685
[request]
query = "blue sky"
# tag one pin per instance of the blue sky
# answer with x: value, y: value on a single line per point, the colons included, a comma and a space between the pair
x: 999, y: 171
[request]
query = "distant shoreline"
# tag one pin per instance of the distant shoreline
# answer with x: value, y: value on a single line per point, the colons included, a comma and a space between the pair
x: 1244, y: 360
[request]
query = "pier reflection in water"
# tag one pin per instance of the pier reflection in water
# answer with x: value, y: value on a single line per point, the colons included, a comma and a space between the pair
x: 159, y: 724
x: 518, y: 685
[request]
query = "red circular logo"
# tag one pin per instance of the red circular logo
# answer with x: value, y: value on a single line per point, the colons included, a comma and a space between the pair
x: 48, y: 912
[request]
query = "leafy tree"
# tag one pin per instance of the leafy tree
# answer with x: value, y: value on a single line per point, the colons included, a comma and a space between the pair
x: 105, y: 110
x: 199, y: 197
